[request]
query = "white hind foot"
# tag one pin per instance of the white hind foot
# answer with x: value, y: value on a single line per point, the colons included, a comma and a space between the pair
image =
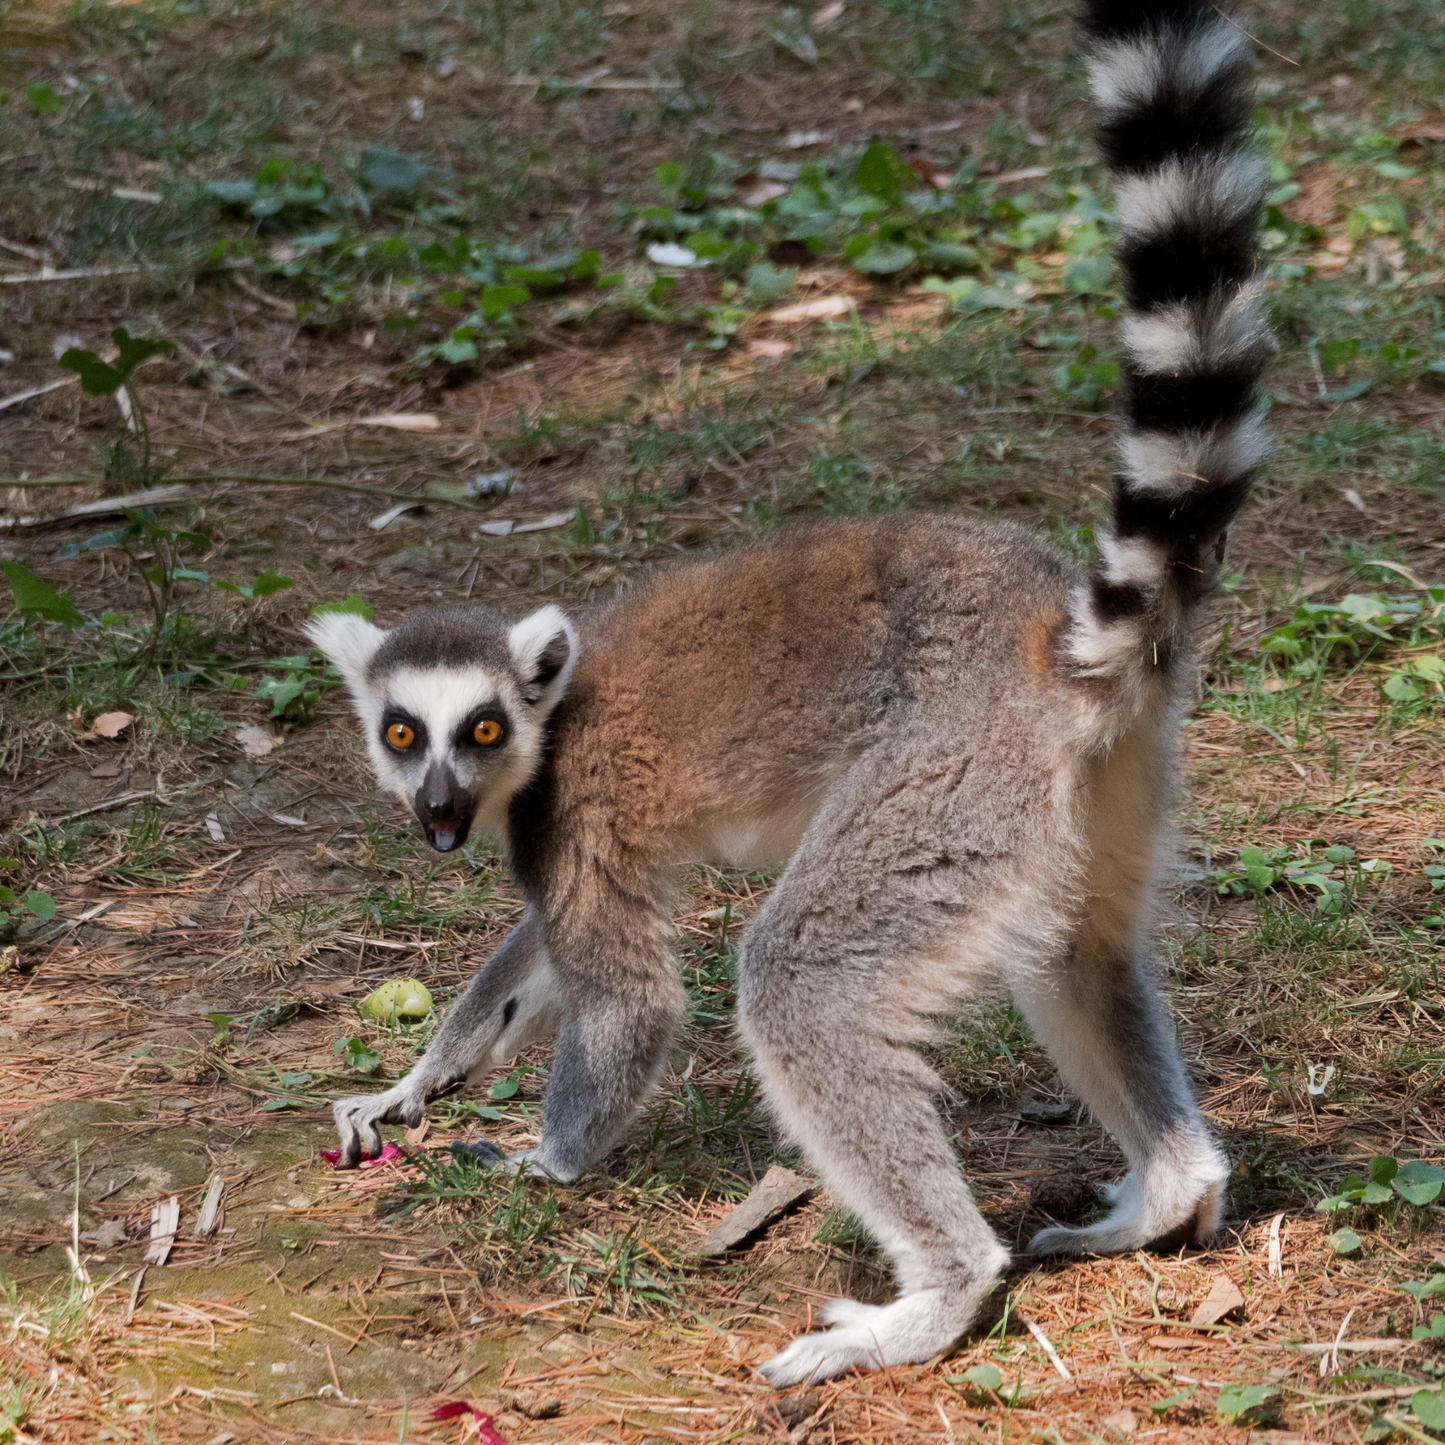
x: 868, y: 1337
x: 1165, y: 1201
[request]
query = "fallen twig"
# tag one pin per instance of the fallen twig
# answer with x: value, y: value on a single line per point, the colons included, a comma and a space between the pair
x: 260, y: 481
x: 81, y: 273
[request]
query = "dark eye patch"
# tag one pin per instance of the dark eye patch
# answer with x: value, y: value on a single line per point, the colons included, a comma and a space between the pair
x: 404, y: 724
x: 466, y: 735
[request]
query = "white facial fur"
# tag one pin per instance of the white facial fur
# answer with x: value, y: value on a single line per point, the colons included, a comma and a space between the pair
x: 443, y: 698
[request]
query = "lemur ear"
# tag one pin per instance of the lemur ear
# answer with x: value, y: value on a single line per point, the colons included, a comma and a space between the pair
x: 349, y: 641
x: 544, y: 648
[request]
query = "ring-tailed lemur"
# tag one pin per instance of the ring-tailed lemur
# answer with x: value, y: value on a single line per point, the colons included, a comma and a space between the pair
x: 964, y: 745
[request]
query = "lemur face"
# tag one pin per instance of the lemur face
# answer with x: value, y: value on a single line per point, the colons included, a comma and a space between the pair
x: 455, y: 706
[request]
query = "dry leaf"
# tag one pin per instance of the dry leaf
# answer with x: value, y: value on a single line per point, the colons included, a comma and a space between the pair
x: 1126, y: 1422
x: 769, y: 348
x: 110, y: 724
x: 255, y: 742
x: 827, y: 14
x: 747, y: 1352
x: 1175, y: 1342
x: 1223, y: 1299
x: 812, y: 310
x: 107, y: 725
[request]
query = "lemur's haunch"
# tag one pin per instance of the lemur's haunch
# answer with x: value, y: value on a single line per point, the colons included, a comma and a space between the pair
x: 963, y: 743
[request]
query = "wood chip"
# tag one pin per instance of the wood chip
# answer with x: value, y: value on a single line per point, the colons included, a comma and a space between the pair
x: 403, y: 421
x: 383, y: 520
x: 1036, y: 1111
x: 778, y: 1190
x: 121, y: 193
x: 1176, y: 1342
x: 165, y: 1220
x: 818, y: 310
x: 557, y: 519
x: 211, y: 1211
x: 1223, y: 1299
x: 1276, y: 1252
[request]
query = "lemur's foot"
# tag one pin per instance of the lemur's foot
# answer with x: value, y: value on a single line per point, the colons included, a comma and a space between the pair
x: 911, y: 1329
x: 1175, y: 1200
x: 480, y: 1151
x: 359, y: 1119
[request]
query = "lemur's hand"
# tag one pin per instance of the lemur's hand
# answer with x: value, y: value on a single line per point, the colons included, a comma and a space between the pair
x: 359, y: 1118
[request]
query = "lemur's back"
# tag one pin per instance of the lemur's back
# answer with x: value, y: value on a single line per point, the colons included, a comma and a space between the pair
x: 750, y: 681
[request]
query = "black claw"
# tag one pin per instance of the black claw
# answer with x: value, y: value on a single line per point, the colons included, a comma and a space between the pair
x: 482, y: 1152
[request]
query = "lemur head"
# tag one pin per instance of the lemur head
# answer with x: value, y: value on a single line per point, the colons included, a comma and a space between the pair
x: 455, y: 706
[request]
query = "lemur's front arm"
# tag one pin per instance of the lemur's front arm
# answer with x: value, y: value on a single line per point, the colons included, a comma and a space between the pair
x: 512, y: 1001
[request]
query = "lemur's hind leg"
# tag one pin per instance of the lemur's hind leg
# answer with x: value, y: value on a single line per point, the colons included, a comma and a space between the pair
x: 512, y: 1001
x: 1096, y: 1008
x: 896, y: 895
x: 1100, y: 1017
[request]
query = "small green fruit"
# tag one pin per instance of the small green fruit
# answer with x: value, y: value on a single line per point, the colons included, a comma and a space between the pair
x: 398, y: 998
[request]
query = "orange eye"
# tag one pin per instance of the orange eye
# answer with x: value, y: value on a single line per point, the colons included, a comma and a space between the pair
x: 488, y: 731
x: 400, y: 736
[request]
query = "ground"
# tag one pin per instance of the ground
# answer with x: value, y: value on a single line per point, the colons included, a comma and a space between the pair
x: 601, y: 286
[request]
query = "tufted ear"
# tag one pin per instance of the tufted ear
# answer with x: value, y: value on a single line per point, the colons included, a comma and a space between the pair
x: 350, y: 642
x: 544, y: 648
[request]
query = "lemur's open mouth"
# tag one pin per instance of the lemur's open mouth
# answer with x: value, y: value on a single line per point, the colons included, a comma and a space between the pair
x: 445, y: 837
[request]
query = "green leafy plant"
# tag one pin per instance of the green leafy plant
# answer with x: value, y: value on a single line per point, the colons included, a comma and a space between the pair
x: 987, y: 1379
x: 1360, y: 627
x: 38, y: 602
x: 268, y: 584
x: 357, y: 1054
x: 116, y: 377
x: 1082, y: 381
x: 14, y: 906
x: 1386, y: 1184
x: 1259, y: 870
x: 1247, y: 1404
x: 496, y: 288
x: 1179, y: 1397
x: 1435, y: 875
x: 165, y: 571
x: 1422, y: 1289
x: 353, y: 603
x: 1429, y: 1408
x: 283, y: 192
x: 296, y: 692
